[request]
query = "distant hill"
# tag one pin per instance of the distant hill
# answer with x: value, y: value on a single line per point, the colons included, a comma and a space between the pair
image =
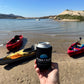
x: 71, y: 12
x: 70, y: 15
x: 10, y: 16
x: 44, y: 17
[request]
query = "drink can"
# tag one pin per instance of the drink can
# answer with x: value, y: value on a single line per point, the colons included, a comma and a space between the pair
x: 43, y: 55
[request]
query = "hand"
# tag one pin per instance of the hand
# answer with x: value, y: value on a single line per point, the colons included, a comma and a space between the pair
x: 50, y: 76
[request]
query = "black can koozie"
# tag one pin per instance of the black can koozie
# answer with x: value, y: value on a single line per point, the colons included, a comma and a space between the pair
x: 43, y: 55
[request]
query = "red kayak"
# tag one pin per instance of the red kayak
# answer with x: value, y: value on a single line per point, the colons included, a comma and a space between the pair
x: 76, y: 48
x: 15, y: 43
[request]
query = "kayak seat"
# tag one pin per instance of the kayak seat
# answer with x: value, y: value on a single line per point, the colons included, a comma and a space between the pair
x: 71, y: 48
x: 13, y: 40
x: 17, y: 37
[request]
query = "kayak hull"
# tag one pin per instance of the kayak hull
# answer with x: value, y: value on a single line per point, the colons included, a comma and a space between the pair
x: 19, y: 55
x: 9, y: 61
x: 15, y: 43
x: 75, y: 51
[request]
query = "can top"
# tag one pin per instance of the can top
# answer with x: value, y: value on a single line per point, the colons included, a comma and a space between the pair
x: 43, y: 45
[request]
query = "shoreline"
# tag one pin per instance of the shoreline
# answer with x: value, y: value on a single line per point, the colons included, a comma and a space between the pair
x: 59, y: 42
x: 56, y: 40
x: 68, y: 20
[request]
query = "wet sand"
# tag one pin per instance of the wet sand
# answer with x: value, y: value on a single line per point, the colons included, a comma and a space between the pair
x: 71, y: 70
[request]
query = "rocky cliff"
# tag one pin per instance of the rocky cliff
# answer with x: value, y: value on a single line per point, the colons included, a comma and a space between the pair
x: 70, y: 15
x: 71, y: 12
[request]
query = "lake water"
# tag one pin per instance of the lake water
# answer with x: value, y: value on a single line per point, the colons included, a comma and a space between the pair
x: 45, y: 26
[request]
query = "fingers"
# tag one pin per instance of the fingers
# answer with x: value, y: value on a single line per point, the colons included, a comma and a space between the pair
x: 38, y: 71
x: 36, y: 68
x: 35, y: 61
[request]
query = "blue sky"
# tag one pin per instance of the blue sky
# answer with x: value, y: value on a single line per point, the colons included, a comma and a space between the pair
x: 38, y: 8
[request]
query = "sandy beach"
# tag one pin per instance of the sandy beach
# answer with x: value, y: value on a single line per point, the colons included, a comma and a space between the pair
x: 71, y: 70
